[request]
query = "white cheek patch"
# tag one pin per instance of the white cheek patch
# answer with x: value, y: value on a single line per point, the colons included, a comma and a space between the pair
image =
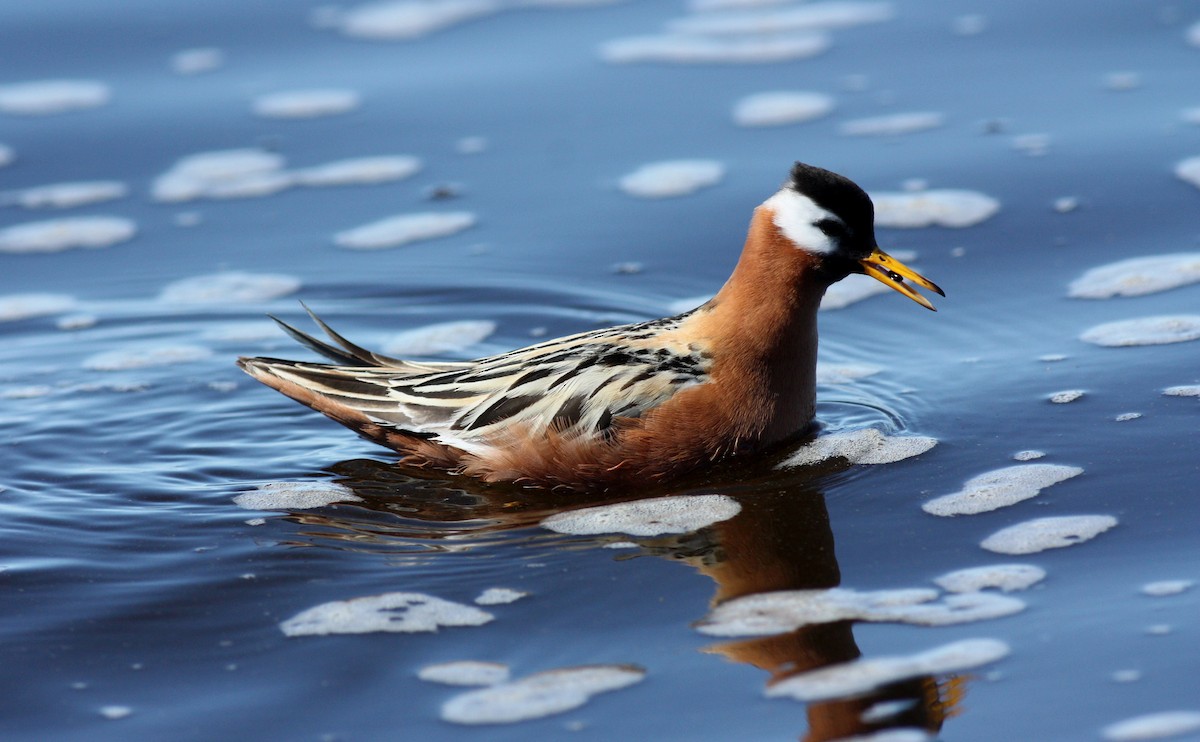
x: 796, y: 215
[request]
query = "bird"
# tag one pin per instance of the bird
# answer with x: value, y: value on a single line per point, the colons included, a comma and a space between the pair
x: 640, y: 403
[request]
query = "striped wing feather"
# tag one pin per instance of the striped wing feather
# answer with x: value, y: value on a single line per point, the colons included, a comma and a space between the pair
x: 576, y: 386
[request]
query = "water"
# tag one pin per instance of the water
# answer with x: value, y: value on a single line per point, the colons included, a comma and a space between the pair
x: 135, y: 588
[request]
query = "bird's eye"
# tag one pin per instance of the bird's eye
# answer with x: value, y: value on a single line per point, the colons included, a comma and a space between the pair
x: 832, y: 228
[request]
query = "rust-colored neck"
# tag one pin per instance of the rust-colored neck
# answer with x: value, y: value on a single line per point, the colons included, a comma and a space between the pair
x: 763, y: 327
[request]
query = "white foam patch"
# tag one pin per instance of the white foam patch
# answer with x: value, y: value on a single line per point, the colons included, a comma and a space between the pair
x: 1163, y: 588
x: 1006, y: 577
x: 197, y: 61
x: 7, y: 155
x: 865, y: 446
x: 24, y: 306
x: 1161, y: 330
x: 650, y: 517
x: 1153, y: 726
x: 233, y: 173
x: 1126, y: 676
x: 146, y: 357
x: 1191, y: 115
x: 1192, y: 34
x: 1032, y: 145
x: 1028, y: 455
x: 785, y: 611
x: 406, y: 613
x: 360, y: 171
x: 672, y: 178
x: 844, y: 373
x: 539, y: 695
x: 893, y: 124
x: 402, y: 20
x: 404, y: 229
x: 306, y: 104
x: 229, y: 288
x: 780, y: 108
x: 27, y: 392
x: 499, y: 596
x: 680, y: 49
x: 437, y: 339
x: 295, y: 496
x: 115, y: 712
x: 1189, y: 170
x: 811, y: 17
x: 1127, y: 416
x: 465, y: 672
x: 1184, y: 390
x: 45, y: 97
x: 943, y: 208
x: 1137, y: 276
x: 55, y: 235
x: 1000, y: 489
x: 1066, y: 396
x: 1040, y: 534
x: 67, y: 195
x: 851, y: 290
x: 864, y: 675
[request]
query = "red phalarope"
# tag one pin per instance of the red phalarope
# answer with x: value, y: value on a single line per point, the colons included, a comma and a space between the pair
x: 640, y: 402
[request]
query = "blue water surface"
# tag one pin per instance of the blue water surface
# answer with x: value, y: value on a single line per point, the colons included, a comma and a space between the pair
x: 130, y: 579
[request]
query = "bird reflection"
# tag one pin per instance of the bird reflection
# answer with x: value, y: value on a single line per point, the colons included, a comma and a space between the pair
x: 780, y: 540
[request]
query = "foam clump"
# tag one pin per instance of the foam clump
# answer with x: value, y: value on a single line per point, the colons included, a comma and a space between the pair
x: 1189, y: 171
x: 1028, y: 455
x: 404, y: 229
x: 1152, y: 726
x: 197, y: 61
x: 864, y: 675
x: 865, y: 446
x: 67, y: 195
x: 146, y: 357
x: 45, y: 97
x: 6, y: 155
x: 359, y: 171
x: 15, y: 307
x: 399, y: 612
x: 1137, y: 276
x: 672, y: 178
x: 1000, y: 489
x: 681, y: 49
x: 464, y: 672
x: 650, y: 517
x: 539, y: 695
x: 780, y: 108
x: 440, y: 338
x: 232, y: 287
x: 306, y: 104
x: 1066, y: 396
x: 816, y: 16
x: 115, y: 712
x: 851, y: 290
x: 845, y: 373
x: 1162, y: 588
x: 404, y: 20
x: 939, y: 207
x: 231, y: 173
x: 1006, y: 577
x: 1184, y: 390
x: 295, y: 496
x: 784, y: 611
x: 1040, y: 534
x: 499, y: 596
x: 1160, y: 330
x: 893, y: 124
x: 56, y: 235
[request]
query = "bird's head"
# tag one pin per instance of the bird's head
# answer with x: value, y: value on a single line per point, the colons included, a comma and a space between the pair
x: 832, y: 219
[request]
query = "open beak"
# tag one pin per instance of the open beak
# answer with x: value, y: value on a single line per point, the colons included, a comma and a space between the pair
x: 883, y: 267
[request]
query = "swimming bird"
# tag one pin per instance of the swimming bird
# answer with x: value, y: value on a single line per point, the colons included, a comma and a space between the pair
x: 635, y: 403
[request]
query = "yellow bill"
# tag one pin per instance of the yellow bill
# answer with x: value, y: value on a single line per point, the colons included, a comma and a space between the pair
x: 883, y: 267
